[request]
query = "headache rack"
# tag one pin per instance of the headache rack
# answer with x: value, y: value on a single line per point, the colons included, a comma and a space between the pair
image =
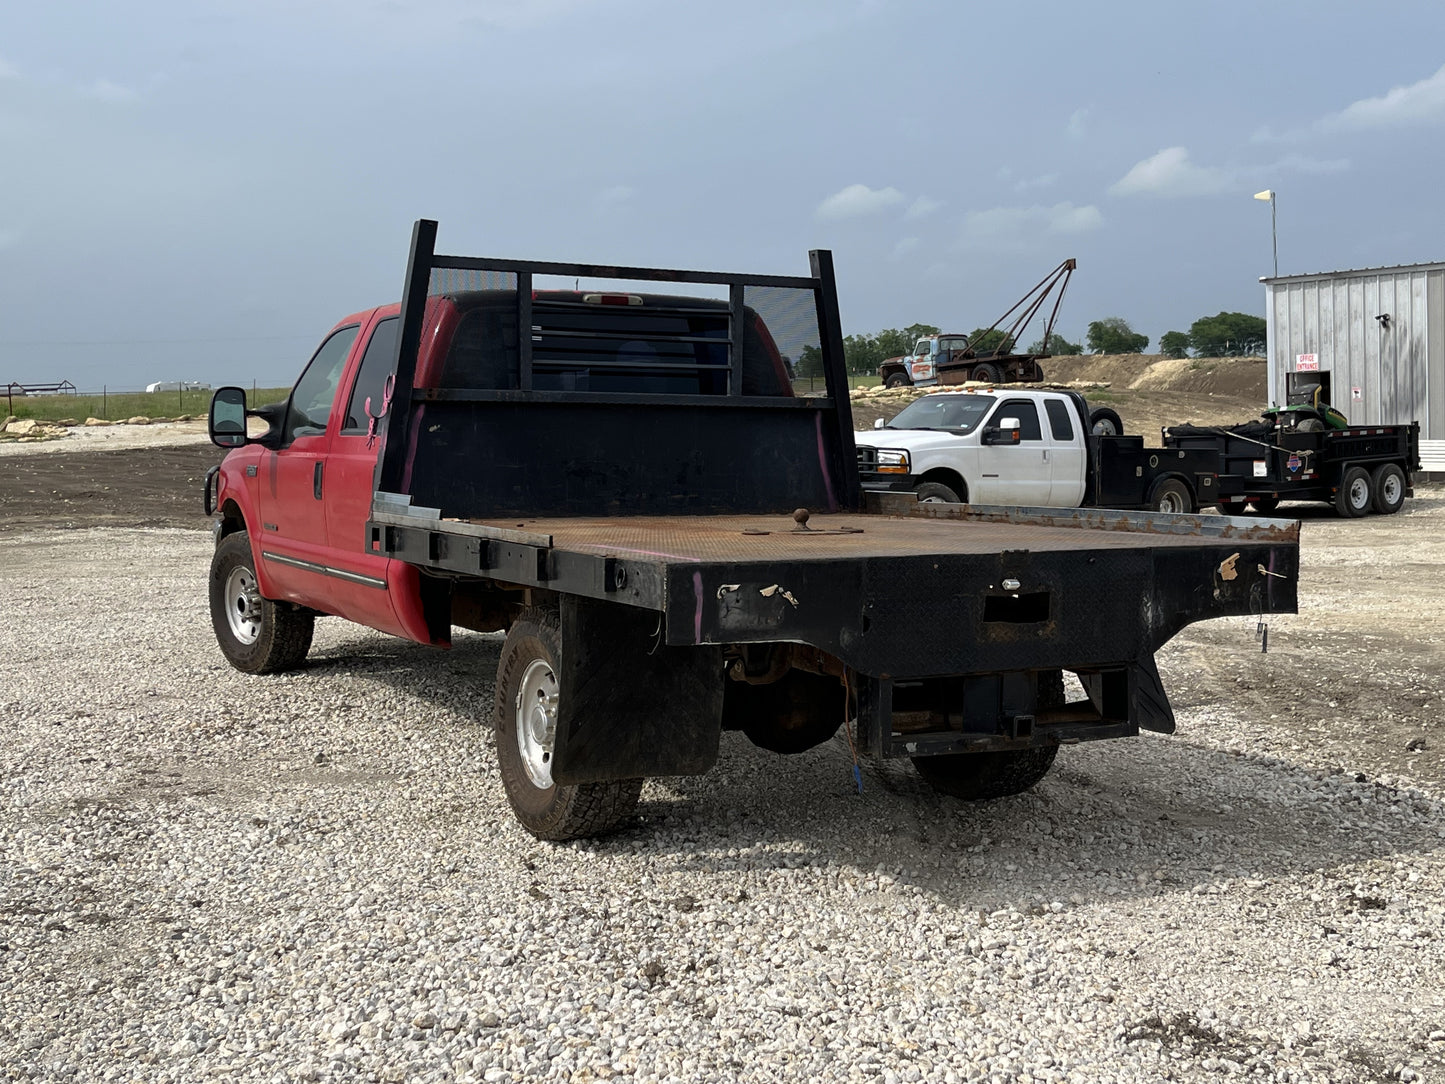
x: 536, y: 442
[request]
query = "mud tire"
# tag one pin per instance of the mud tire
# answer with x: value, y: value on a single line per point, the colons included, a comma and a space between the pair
x: 935, y: 493
x: 257, y: 635
x: 1171, y: 495
x: 1388, y: 484
x: 555, y: 812
x: 1355, y: 496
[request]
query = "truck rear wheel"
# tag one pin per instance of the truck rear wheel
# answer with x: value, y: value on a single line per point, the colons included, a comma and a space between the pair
x: 525, y: 719
x: 1354, y: 496
x: 1264, y: 505
x: 256, y: 634
x: 1171, y: 495
x: 1388, y: 484
x: 980, y: 776
x: 988, y: 372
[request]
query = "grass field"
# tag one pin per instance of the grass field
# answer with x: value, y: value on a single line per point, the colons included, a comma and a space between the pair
x: 113, y: 406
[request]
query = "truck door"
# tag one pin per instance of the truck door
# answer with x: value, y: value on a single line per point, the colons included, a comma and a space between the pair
x: 1066, y: 455
x: 366, y: 587
x: 1016, y: 473
x: 920, y: 365
x: 292, y: 539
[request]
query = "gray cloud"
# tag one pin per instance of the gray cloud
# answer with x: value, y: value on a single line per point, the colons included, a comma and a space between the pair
x: 858, y: 200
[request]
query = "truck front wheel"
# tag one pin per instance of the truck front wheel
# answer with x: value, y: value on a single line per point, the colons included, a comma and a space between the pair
x: 979, y: 776
x: 897, y: 380
x: 1354, y: 497
x: 936, y: 493
x: 257, y: 635
x: 525, y: 719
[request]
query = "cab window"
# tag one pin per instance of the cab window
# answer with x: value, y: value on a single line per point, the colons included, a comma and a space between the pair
x: 1059, y: 424
x: 376, y: 366
x: 1027, y: 414
x: 310, y: 405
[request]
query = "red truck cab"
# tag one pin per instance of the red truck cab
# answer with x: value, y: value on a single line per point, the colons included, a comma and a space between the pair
x: 298, y: 499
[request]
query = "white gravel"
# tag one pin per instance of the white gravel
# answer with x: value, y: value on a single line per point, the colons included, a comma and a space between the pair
x: 316, y: 877
x: 81, y: 438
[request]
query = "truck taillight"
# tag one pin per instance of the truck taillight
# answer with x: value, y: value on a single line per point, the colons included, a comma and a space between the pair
x: 612, y: 299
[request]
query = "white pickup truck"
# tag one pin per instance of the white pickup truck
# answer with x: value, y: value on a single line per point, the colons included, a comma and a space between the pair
x: 1027, y: 447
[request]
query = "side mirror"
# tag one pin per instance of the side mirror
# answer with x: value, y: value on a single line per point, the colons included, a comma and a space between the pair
x: 877, y: 423
x: 227, y: 421
x: 1005, y: 432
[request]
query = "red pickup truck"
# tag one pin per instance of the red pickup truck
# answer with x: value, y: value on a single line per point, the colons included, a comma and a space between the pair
x: 677, y: 544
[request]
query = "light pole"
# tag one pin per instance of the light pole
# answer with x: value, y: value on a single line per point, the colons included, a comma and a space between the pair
x: 1268, y: 194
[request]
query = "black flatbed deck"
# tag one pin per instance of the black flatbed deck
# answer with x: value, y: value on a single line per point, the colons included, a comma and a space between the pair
x: 1075, y: 585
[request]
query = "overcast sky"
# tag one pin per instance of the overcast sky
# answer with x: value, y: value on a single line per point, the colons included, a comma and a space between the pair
x: 199, y: 190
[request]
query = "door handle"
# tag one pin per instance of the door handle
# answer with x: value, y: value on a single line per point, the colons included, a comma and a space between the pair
x: 316, y: 479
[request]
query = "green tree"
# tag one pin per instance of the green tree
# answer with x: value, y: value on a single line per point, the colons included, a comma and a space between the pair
x: 990, y: 341
x: 1174, y: 344
x: 809, y: 363
x: 1057, y: 345
x: 1227, y: 334
x: 1113, y: 335
x: 862, y: 354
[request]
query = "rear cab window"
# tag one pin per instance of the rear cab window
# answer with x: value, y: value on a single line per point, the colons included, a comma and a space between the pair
x: 1060, y: 424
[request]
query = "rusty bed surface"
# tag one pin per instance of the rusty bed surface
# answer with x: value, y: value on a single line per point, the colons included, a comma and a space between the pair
x: 742, y: 539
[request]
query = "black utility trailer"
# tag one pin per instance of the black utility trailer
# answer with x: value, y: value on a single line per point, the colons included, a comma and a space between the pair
x: 680, y: 562
x: 1291, y: 455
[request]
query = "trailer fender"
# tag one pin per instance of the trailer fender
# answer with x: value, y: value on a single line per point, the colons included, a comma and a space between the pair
x: 629, y: 706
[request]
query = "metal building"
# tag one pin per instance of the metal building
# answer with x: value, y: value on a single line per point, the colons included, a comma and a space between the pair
x: 1376, y: 336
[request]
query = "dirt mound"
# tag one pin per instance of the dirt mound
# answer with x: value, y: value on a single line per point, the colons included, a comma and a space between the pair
x: 1243, y: 378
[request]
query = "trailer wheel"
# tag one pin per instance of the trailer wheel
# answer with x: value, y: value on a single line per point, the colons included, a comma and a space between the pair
x: 256, y: 634
x: 896, y: 380
x: 988, y: 372
x: 1105, y: 422
x: 525, y: 720
x: 1388, y: 484
x: 1354, y: 496
x: 1264, y: 505
x: 936, y: 493
x: 1171, y: 495
x: 980, y: 776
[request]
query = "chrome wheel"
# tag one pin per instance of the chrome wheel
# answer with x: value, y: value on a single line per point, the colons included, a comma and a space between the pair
x: 536, y: 709
x: 243, y: 605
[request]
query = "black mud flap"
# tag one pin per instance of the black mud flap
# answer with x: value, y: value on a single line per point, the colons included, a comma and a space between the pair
x: 630, y: 706
x: 1151, y: 709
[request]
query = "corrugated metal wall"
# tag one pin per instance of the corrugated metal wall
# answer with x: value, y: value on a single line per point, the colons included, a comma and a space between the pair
x: 1399, y: 369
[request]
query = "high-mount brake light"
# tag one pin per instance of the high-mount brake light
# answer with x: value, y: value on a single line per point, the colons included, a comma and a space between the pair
x: 612, y: 299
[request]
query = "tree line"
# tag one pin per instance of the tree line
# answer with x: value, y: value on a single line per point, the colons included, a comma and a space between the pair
x: 1226, y: 334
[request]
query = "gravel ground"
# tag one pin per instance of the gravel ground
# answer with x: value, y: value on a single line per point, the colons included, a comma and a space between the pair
x: 316, y: 877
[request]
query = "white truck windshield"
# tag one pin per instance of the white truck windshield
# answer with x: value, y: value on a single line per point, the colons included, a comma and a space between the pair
x: 960, y: 413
